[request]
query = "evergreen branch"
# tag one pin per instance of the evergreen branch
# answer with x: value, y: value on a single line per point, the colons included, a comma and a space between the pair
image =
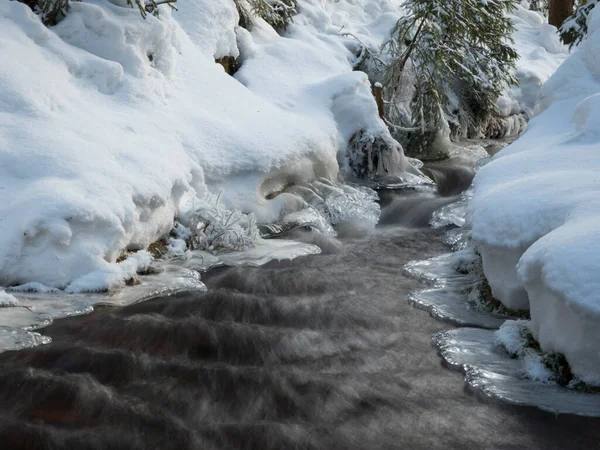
x: 415, y: 38
x: 398, y: 127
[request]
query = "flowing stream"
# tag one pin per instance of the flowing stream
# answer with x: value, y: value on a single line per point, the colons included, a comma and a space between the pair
x: 320, y: 352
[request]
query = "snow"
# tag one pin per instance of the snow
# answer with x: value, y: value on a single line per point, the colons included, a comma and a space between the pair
x: 512, y: 336
x: 112, y: 125
x: 118, y: 274
x: 535, y: 214
x: 506, y: 285
x: 210, y: 25
x: 132, y: 123
x: 540, y: 54
x: 7, y: 300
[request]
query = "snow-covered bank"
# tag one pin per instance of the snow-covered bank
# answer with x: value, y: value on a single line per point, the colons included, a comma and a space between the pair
x: 540, y: 54
x: 111, y: 126
x: 536, y: 214
x: 498, y: 354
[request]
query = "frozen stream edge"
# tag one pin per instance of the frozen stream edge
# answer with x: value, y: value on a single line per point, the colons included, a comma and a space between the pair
x: 489, y: 370
x: 325, y: 204
x: 172, y: 275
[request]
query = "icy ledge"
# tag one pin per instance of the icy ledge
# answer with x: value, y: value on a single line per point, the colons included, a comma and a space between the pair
x: 501, y: 358
x: 30, y: 307
x: 457, y: 283
x: 492, y: 372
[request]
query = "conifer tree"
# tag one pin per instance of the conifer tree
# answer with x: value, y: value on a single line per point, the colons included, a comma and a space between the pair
x: 451, y: 48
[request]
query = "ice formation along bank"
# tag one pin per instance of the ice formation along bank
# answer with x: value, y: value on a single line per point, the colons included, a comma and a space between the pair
x: 535, y: 214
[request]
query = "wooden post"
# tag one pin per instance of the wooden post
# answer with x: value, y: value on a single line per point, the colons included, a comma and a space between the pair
x: 378, y: 93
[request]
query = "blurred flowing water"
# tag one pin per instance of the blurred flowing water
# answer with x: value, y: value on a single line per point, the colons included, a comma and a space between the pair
x: 320, y: 352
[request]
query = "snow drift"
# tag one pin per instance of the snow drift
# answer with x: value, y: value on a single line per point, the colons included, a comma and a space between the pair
x: 111, y: 126
x: 540, y: 54
x: 536, y: 213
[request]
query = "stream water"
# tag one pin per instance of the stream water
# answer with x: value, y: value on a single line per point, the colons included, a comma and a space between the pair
x: 320, y: 352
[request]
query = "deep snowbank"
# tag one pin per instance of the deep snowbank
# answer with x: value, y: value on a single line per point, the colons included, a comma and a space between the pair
x: 536, y: 214
x: 111, y: 125
x: 540, y: 54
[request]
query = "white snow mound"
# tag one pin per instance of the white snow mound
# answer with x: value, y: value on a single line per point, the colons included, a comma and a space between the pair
x: 540, y: 54
x: 536, y: 214
x: 112, y: 125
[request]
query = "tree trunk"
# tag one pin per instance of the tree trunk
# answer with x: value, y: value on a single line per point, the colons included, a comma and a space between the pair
x: 559, y: 11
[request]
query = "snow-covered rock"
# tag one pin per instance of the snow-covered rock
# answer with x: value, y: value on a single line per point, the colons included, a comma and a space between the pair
x: 536, y: 214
